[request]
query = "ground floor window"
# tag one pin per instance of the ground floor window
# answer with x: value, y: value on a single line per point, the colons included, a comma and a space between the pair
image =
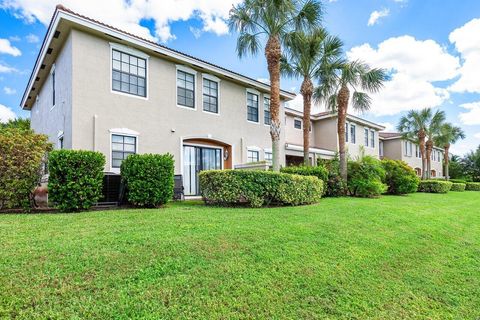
x: 252, y: 156
x: 122, y: 147
x: 268, y: 157
x: 418, y: 171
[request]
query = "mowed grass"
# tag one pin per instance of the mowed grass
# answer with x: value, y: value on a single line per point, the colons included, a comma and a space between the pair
x: 410, y: 257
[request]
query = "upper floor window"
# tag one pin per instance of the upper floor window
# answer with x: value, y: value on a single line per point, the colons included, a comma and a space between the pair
x: 366, y: 137
x: 210, y: 95
x: 252, y: 156
x: 372, y: 138
x: 297, y: 123
x: 353, y: 133
x: 267, y: 119
x: 122, y: 147
x: 185, y: 89
x: 129, y: 73
x: 252, y: 107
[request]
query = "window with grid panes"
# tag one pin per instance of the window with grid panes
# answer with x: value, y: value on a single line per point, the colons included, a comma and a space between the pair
x: 185, y: 89
x: 210, y: 96
x: 122, y: 147
x: 252, y: 107
x: 129, y: 73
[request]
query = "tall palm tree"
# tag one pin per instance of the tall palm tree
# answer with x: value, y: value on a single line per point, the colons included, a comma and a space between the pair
x: 413, y: 126
x: 432, y: 132
x: 307, y: 56
x: 449, y: 134
x: 271, y: 20
x: 334, y: 90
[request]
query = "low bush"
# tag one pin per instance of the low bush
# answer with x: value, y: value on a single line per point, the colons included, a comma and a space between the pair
x: 434, y: 186
x: 335, y: 186
x: 365, y: 178
x: 458, y: 180
x: 318, y: 171
x: 21, y: 158
x: 458, y: 186
x: 148, y: 179
x: 76, y: 178
x: 399, y: 177
x: 472, y: 186
x: 258, y: 188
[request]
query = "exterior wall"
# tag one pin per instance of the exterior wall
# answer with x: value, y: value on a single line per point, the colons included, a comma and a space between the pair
x: 160, y: 123
x: 293, y: 135
x: 325, y: 134
x: 357, y: 149
x: 50, y: 119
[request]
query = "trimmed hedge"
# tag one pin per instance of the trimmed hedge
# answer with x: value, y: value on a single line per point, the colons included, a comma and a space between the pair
x: 472, y: 186
x: 458, y: 187
x: 434, y: 186
x: 365, y: 178
x: 319, y: 171
x: 76, y: 178
x: 258, y: 188
x: 399, y: 177
x: 148, y: 179
x: 458, y: 180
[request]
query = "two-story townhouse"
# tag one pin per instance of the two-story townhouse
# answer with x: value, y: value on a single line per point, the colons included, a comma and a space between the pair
x: 362, y: 136
x: 94, y: 87
x: 394, y: 146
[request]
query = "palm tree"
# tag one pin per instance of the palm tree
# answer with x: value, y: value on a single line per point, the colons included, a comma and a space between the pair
x: 334, y: 91
x: 449, y: 134
x: 307, y: 56
x: 432, y: 132
x: 272, y: 20
x: 413, y: 126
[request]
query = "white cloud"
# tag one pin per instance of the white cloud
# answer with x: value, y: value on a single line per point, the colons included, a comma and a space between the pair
x: 127, y: 15
x: 6, y: 113
x: 14, y: 38
x: 31, y: 38
x: 477, y: 135
x: 389, y: 127
x: 6, y: 69
x: 472, y: 116
x: 414, y: 65
x: 7, y: 48
x: 196, y: 32
x: 9, y: 91
x: 467, y: 43
x: 375, y: 15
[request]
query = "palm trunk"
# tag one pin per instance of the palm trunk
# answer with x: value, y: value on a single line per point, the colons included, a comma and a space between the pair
x: 307, y: 91
x: 429, y: 160
x: 446, y: 159
x: 273, y: 53
x: 343, y: 96
x: 421, y: 139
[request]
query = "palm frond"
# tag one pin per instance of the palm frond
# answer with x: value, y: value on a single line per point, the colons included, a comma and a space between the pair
x: 247, y: 44
x: 361, y: 101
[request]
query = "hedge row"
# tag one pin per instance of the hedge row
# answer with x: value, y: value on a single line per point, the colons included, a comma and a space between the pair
x: 473, y: 186
x: 318, y: 171
x: 458, y: 187
x: 434, y: 186
x: 258, y: 188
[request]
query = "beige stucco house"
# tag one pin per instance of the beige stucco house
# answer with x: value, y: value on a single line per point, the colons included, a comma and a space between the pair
x: 393, y: 146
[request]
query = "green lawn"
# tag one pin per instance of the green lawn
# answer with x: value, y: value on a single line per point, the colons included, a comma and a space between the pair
x: 414, y: 257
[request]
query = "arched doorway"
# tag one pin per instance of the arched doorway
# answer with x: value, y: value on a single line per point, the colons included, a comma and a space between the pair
x: 202, y: 154
x: 418, y: 171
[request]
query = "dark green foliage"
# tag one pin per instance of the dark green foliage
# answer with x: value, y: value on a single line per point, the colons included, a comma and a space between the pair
x: 473, y: 186
x: 458, y: 181
x: 365, y: 178
x: 148, y: 179
x: 319, y: 171
x: 458, y: 187
x: 21, y: 155
x: 335, y: 186
x: 471, y: 165
x: 76, y: 177
x: 258, y: 188
x: 434, y: 186
x: 399, y: 177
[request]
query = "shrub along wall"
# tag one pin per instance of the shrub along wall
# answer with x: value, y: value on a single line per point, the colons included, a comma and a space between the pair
x: 473, y: 186
x: 399, y: 177
x: 458, y: 187
x: 148, y: 179
x: 21, y: 154
x: 434, y: 186
x: 335, y: 185
x: 76, y: 177
x: 365, y: 178
x: 318, y: 171
x: 258, y: 188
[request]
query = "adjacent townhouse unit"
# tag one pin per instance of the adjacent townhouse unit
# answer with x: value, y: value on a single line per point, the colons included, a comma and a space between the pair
x: 95, y: 87
x: 362, y: 136
x: 394, y: 146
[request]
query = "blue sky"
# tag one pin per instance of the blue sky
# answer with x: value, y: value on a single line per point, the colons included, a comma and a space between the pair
x: 431, y: 47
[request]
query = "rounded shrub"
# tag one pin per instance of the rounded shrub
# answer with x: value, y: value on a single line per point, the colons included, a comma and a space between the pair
x: 318, y: 171
x: 76, y: 178
x: 434, y: 186
x: 365, y: 178
x: 473, y: 186
x: 148, y: 179
x: 458, y: 187
x: 399, y: 177
x: 258, y: 188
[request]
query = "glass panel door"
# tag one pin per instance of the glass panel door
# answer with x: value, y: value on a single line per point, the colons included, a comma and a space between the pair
x: 196, y: 159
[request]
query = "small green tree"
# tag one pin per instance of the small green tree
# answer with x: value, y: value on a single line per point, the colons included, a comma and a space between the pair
x: 17, y: 123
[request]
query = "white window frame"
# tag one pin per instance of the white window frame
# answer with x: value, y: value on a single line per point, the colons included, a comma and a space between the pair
x: 372, y: 139
x: 253, y: 91
x: 366, y: 138
x: 217, y: 80
x: 263, y: 105
x: 194, y: 73
x: 134, y: 52
x: 265, y: 151
x: 122, y: 132
x: 301, y: 123
x: 253, y: 149
x: 354, y: 141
